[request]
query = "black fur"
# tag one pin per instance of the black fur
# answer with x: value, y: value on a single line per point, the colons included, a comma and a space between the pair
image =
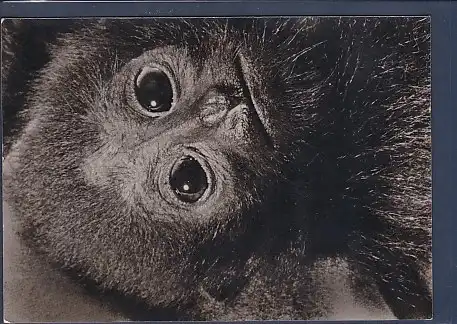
x: 342, y: 172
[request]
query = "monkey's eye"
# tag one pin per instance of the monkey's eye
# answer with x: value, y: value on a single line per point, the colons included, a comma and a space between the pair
x: 188, y: 180
x: 154, y: 91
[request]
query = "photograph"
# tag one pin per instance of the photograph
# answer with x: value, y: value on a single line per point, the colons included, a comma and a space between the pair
x: 217, y: 168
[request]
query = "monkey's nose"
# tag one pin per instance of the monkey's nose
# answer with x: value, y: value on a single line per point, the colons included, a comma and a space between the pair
x: 215, y: 109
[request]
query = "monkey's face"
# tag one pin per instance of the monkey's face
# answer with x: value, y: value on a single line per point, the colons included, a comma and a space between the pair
x: 173, y: 134
x: 157, y: 151
x: 211, y: 163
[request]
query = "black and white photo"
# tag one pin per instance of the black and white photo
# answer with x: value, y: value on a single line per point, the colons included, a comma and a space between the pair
x: 251, y: 168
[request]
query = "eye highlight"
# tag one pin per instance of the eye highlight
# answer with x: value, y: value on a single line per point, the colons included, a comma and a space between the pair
x: 154, y: 91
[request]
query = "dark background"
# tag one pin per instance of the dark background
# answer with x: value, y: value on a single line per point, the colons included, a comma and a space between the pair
x: 444, y: 92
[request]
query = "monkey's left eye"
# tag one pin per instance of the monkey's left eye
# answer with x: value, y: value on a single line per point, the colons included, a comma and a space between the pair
x: 154, y: 91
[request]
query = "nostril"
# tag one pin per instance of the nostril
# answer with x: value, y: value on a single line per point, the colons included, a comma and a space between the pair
x: 188, y: 179
x: 214, y: 109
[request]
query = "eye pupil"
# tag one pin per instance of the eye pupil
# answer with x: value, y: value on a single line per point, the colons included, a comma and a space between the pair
x: 153, y: 90
x: 188, y: 180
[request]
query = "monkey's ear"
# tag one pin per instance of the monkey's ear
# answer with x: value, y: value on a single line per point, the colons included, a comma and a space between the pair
x: 25, y: 50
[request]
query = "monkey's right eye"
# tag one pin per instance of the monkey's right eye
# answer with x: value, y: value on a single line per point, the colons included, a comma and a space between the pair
x: 188, y: 180
x: 154, y: 91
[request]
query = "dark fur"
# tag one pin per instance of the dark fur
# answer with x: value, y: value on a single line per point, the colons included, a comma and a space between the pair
x: 345, y: 175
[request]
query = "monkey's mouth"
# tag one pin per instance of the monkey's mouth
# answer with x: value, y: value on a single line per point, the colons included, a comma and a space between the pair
x: 251, y: 93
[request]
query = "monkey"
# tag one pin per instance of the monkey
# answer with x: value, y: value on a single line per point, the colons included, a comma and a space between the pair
x: 222, y: 168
